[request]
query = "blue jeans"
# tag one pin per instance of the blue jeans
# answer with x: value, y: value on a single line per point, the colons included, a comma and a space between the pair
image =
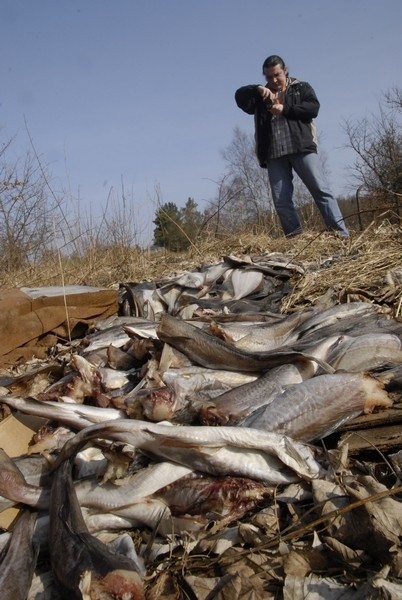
x: 308, y: 168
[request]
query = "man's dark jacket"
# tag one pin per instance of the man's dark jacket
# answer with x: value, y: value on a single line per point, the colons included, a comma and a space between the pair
x: 300, y: 107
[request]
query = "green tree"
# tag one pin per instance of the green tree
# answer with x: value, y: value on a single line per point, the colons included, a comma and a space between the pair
x: 167, y: 232
x: 191, y: 219
x: 176, y: 228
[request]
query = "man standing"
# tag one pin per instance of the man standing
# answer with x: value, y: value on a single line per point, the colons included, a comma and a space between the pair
x: 286, y: 141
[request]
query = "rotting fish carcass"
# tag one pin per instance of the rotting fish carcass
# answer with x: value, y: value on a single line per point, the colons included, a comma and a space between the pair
x: 232, y: 406
x: 334, y: 316
x: 207, y: 350
x: 244, y: 452
x: 84, y: 560
x: 221, y: 499
x: 366, y: 352
x: 97, y: 340
x: 185, y: 390
x: 19, y: 559
x: 159, y: 492
x: 74, y: 415
x: 318, y: 406
x: 102, y: 382
x: 14, y: 486
x: 353, y: 323
x: 261, y: 337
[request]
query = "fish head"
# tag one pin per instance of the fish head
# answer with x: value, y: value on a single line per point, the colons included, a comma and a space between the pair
x: 158, y: 404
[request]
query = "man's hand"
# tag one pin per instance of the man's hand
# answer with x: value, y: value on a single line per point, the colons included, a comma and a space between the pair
x: 276, y: 109
x: 266, y: 94
x: 272, y: 100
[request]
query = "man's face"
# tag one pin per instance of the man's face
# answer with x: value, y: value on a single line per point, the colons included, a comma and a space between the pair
x: 276, y: 77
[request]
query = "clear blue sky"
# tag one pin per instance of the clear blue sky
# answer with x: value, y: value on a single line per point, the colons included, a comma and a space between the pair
x: 143, y: 90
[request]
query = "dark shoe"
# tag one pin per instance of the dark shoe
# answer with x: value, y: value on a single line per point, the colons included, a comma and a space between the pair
x: 294, y: 233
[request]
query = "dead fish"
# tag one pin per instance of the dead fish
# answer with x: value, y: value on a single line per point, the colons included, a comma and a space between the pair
x: 91, y: 462
x: 244, y: 282
x: 244, y: 452
x: 260, y: 317
x: 18, y: 564
x: 144, y: 300
x: 127, y: 499
x: 213, y: 498
x: 114, y: 336
x: 140, y: 350
x: 42, y: 587
x: 320, y: 350
x: 354, y: 325
x: 317, y: 407
x: 214, y: 272
x: 49, y: 438
x: 103, y: 380
x: 71, y: 384
x: 119, y: 321
x: 187, y: 504
x: 74, y: 415
x: 209, y: 351
x: 35, y: 469
x: 196, y: 378
x: 261, y: 337
x: 265, y: 299
x: 86, y: 380
x: 273, y: 264
x: 188, y: 312
x: 130, y: 498
x: 365, y: 352
x: 109, y: 497
x: 192, y: 279
x: 155, y: 404
x: 184, y: 391
x: 147, y: 330
x: 14, y: 487
x: 20, y: 483
x: 169, y: 295
x: 5, y: 537
x: 232, y: 406
x: 332, y: 315
x: 148, y: 512
x: 77, y: 557
x: 23, y: 380
x: 123, y: 544
x: 118, y: 359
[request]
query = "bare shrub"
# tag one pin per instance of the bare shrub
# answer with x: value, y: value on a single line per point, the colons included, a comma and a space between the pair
x: 377, y: 143
x: 30, y: 217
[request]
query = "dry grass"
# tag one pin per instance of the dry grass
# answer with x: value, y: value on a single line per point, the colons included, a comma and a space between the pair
x: 366, y: 267
x: 363, y: 267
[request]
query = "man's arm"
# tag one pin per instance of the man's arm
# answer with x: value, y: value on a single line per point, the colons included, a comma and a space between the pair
x: 247, y: 98
x: 306, y: 109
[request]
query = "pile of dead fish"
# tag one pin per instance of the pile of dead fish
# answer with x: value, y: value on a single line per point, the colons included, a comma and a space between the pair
x: 181, y: 454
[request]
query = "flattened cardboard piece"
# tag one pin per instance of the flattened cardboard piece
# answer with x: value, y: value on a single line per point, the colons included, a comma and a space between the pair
x: 27, y: 315
x: 16, y: 431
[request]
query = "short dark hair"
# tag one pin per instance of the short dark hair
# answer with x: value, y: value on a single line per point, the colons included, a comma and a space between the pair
x: 272, y: 61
